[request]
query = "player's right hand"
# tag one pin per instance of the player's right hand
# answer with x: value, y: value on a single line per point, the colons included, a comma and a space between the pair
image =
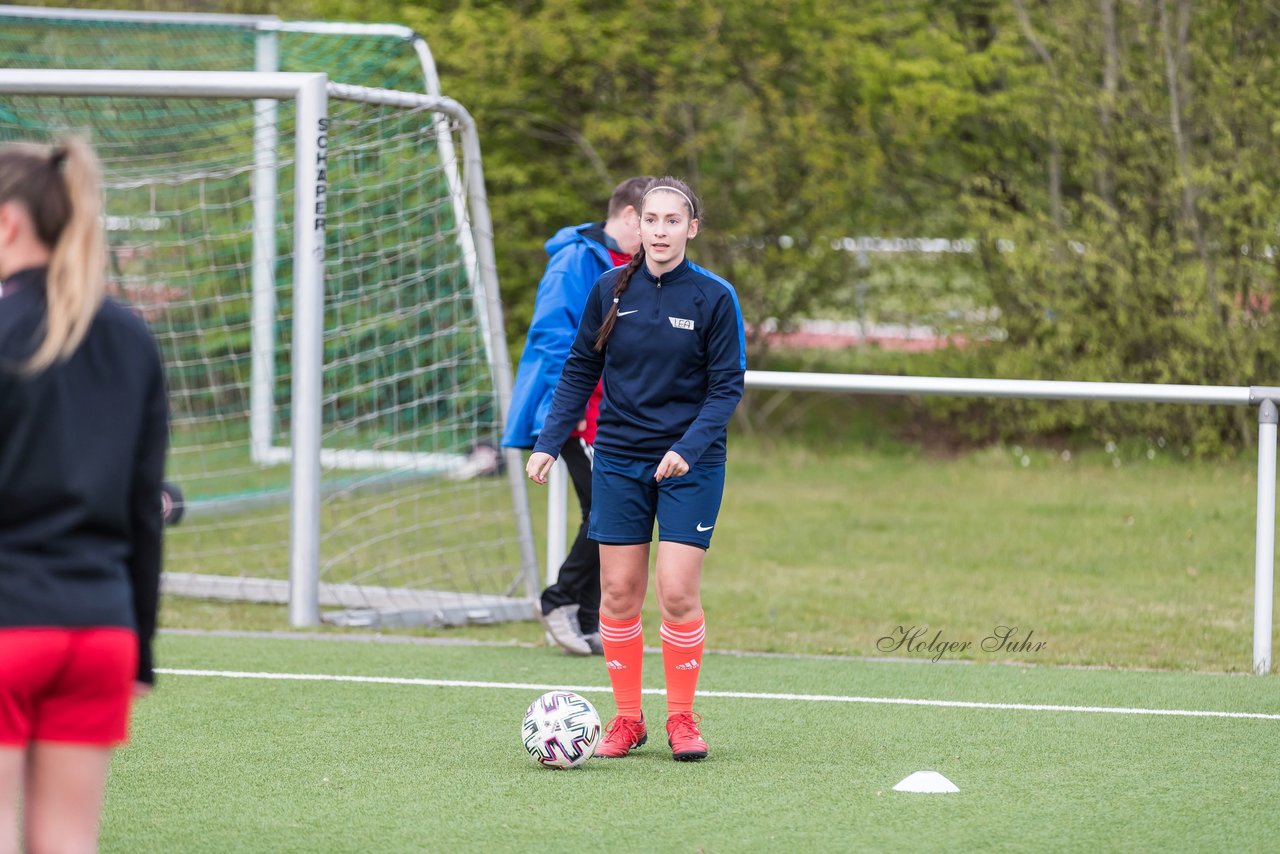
x: 539, y: 466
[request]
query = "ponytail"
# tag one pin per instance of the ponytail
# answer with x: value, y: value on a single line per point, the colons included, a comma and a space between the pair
x: 61, y: 192
x: 77, y: 268
x: 619, y: 288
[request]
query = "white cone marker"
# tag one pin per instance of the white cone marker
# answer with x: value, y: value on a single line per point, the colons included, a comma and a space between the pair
x: 928, y: 782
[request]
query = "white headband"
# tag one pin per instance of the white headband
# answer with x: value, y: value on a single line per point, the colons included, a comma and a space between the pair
x: 693, y: 211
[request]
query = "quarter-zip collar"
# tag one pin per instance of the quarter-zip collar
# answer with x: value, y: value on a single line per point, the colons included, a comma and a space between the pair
x: 675, y: 274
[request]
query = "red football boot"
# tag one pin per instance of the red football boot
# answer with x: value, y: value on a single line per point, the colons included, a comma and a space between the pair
x: 686, y: 741
x: 621, y: 736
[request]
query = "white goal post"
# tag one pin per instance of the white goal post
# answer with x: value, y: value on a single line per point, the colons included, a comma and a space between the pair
x: 374, y: 598
x: 267, y: 55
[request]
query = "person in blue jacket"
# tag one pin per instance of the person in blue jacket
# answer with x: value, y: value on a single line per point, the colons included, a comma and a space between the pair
x: 668, y: 338
x: 570, y: 607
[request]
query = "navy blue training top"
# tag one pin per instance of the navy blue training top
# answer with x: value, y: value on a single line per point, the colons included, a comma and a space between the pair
x: 673, y: 367
x: 82, y: 451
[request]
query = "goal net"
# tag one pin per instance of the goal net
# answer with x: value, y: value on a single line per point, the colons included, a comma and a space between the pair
x: 409, y: 518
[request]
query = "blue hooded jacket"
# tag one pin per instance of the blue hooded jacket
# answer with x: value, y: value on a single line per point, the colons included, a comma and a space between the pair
x: 578, y: 258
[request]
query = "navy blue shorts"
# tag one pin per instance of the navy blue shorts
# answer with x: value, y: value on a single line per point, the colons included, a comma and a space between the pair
x: 626, y: 500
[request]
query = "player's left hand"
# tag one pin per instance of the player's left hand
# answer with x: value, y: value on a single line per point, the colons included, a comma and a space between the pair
x: 672, y: 465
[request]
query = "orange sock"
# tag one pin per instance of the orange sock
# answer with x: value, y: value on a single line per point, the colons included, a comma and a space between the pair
x: 682, y: 660
x: 623, y: 642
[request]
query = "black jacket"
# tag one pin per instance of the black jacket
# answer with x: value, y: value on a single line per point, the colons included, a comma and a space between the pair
x: 82, y: 449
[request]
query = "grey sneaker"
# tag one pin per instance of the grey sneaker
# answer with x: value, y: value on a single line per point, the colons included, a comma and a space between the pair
x: 562, y: 624
x: 593, y: 642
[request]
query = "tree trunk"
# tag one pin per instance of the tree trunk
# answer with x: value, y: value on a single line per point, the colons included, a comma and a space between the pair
x: 1175, y: 57
x: 1110, y: 89
x: 1055, y: 145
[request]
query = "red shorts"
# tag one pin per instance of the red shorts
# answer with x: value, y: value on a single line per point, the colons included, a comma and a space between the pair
x: 66, y: 685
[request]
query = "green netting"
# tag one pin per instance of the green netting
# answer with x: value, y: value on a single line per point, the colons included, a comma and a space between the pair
x: 179, y: 201
x: 407, y: 388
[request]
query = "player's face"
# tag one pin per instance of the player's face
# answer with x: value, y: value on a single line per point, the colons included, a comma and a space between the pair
x: 665, y: 229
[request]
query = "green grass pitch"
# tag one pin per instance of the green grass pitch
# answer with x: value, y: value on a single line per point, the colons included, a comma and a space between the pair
x: 222, y: 764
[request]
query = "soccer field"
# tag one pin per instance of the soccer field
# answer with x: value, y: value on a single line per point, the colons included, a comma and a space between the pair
x: 415, y: 746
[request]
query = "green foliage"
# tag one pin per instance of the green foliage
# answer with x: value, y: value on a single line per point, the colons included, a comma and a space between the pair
x: 1113, y: 161
x: 404, y: 359
x: 1151, y: 260
x: 811, y: 119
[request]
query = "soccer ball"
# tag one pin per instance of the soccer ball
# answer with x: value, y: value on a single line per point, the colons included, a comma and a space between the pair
x: 561, y: 730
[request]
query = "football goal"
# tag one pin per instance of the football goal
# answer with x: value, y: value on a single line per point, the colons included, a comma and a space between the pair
x: 316, y: 262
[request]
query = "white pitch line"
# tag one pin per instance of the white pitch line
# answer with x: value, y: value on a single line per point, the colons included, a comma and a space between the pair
x: 735, y: 695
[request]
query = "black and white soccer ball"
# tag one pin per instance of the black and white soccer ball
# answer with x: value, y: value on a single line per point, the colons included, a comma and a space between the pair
x: 561, y: 730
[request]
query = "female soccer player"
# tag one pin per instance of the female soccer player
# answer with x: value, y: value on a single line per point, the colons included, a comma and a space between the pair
x: 579, y: 254
x: 83, y: 436
x: 668, y: 337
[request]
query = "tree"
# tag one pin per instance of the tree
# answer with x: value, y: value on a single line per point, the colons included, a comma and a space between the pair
x: 1113, y: 159
x: 1161, y: 189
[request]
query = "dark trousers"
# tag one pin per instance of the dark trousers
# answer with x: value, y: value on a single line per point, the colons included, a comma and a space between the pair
x: 579, y: 579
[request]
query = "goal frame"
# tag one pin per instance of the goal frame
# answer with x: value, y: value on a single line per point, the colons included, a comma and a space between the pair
x: 266, y: 31
x: 310, y: 93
